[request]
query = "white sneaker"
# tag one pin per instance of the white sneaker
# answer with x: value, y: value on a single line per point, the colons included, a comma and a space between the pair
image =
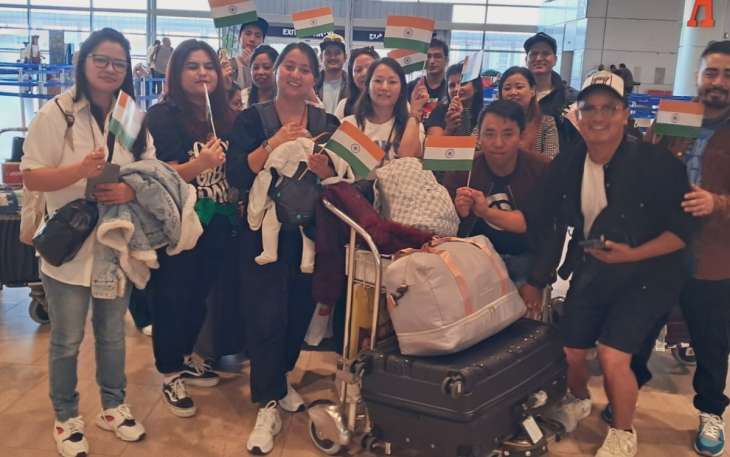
x: 571, y: 411
x: 120, y: 421
x: 70, y: 439
x: 268, y: 425
x: 619, y: 443
x: 147, y: 330
x: 293, y: 402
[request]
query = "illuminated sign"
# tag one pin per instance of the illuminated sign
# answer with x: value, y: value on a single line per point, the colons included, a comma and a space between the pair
x: 708, y: 18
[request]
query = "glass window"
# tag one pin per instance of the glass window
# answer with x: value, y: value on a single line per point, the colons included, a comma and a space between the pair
x: 500, y: 61
x: 512, y: 15
x: 468, y: 14
x: 124, y: 22
x: 126, y: 5
x: 463, y: 39
x: 198, y: 5
x: 508, y: 2
x: 13, y: 17
x: 15, y: 2
x: 13, y: 39
x: 76, y: 3
x: 59, y: 20
x: 505, y: 41
x: 179, y: 29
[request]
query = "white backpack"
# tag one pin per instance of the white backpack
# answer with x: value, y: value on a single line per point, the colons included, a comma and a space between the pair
x: 449, y: 295
x: 411, y: 196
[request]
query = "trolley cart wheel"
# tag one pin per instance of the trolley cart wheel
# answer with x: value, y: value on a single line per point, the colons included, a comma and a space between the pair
x: 37, y: 311
x: 684, y: 355
x: 369, y: 442
x: 326, y: 446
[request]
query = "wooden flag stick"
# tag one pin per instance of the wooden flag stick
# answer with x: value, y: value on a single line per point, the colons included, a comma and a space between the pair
x: 210, y: 110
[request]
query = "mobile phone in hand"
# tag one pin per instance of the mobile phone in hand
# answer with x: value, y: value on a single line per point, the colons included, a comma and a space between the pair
x: 594, y: 243
x: 109, y: 175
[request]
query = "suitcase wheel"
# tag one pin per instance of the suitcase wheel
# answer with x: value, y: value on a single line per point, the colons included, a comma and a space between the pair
x: 684, y: 355
x: 453, y: 386
x: 37, y: 311
x: 326, y: 446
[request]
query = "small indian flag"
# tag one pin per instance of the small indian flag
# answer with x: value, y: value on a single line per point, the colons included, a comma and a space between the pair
x: 408, y: 32
x: 126, y: 120
x: 449, y: 153
x: 359, y: 151
x: 312, y: 22
x: 410, y: 60
x: 232, y: 12
x: 679, y: 118
x: 472, y: 67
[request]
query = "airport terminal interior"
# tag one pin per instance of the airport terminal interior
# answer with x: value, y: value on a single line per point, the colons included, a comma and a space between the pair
x: 232, y: 349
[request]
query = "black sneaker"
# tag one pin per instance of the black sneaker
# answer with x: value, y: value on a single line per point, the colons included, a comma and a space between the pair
x: 177, y: 399
x: 197, y: 372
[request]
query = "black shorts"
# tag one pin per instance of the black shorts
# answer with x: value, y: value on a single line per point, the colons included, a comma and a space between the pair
x: 620, y: 314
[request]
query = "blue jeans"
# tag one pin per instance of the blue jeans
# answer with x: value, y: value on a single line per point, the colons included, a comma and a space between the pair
x: 68, y: 306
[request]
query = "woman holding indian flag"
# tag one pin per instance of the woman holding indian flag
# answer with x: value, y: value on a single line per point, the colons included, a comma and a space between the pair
x: 277, y: 296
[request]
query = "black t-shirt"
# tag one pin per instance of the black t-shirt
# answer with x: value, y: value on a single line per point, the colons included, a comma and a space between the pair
x: 173, y: 143
x: 437, y: 118
x: 441, y: 92
x: 500, y: 196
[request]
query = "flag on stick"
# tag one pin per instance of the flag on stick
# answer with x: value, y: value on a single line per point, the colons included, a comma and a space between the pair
x: 449, y: 153
x: 359, y: 151
x: 126, y: 120
x: 410, y: 60
x: 226, y: 13
x: 408, y: 32
x: 679, y: 118
x: 209, y: 110
x: 312, y: 22
x: 472, y: 67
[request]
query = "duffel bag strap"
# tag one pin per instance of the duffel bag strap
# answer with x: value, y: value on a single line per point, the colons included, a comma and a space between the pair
x: 458, y: 277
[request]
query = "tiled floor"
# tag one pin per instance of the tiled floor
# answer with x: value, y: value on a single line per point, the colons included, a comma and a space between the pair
x: 665, y: 420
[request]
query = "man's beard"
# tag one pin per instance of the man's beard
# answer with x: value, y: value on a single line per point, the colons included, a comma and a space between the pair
x: 708, y: 98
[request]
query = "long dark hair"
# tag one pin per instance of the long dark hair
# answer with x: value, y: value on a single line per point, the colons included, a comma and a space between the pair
x: 253, y: 94
x: 533, y: 110
x: 477, y: 99
x: 174, y: 94
x: 353, y: 90
x: 83, y: 90
x: 306, y: 49
x: 364, y: 105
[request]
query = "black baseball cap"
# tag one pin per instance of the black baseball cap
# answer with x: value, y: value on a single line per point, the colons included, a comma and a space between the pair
x: 259, y: 22
x: 541, y: 37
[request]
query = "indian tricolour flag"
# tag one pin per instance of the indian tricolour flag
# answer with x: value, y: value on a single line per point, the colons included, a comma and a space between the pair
x: 472, y: 67
x: 359, y: 151
x: 408, y: 32
x: 410, y: 60
x: 312, y: 22
x: 126, y: 120
x: 679, y: 118
x: 232, y: 12
x: 449, y: 153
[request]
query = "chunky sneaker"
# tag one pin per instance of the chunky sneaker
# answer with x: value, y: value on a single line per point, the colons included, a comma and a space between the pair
x: 607, y: 414
x: 147, y: 330
x: 120, y: 421
x: 197, y: 372
x: 293, y: 402
x: 618, y: 443
x: 268, y: 425
x: 571, y: 411
x: 177, y: 399
x: 710, y: 436
x: 70, y: 439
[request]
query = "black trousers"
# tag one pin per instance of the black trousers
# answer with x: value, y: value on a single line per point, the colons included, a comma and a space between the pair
x: 706, y: 308
x: 279, y: 306
x: 140, y: 308
x: 178, y: 291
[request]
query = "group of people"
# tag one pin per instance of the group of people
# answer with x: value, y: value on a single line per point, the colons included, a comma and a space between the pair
x: 642, y: 238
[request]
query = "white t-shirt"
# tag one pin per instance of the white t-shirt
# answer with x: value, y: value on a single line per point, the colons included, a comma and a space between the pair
x: 382, y: 134
x: 331, y: 94
x: 46, y: 146
x: 592, y: 193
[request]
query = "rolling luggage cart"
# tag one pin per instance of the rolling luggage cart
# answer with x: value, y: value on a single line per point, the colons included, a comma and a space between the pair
x: 485, y: 400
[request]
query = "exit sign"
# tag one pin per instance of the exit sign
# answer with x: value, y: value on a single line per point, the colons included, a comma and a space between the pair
x: 708, y: 16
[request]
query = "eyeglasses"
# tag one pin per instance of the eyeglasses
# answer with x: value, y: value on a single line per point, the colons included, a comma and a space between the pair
x: 590, y: 110
x: 101, y: 61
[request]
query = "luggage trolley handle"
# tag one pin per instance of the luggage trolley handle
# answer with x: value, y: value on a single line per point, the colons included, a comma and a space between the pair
x: 355, y: 230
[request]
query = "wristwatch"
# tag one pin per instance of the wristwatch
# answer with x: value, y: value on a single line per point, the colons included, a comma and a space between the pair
x: 267, y: 146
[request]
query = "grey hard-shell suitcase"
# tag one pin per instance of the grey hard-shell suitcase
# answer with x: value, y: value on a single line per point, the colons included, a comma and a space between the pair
x: 469, y: 403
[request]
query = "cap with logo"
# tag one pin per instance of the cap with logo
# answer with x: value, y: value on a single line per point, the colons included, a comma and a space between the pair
x: 603, y: 80
x: 332, y: 39
x: 541, y: 37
